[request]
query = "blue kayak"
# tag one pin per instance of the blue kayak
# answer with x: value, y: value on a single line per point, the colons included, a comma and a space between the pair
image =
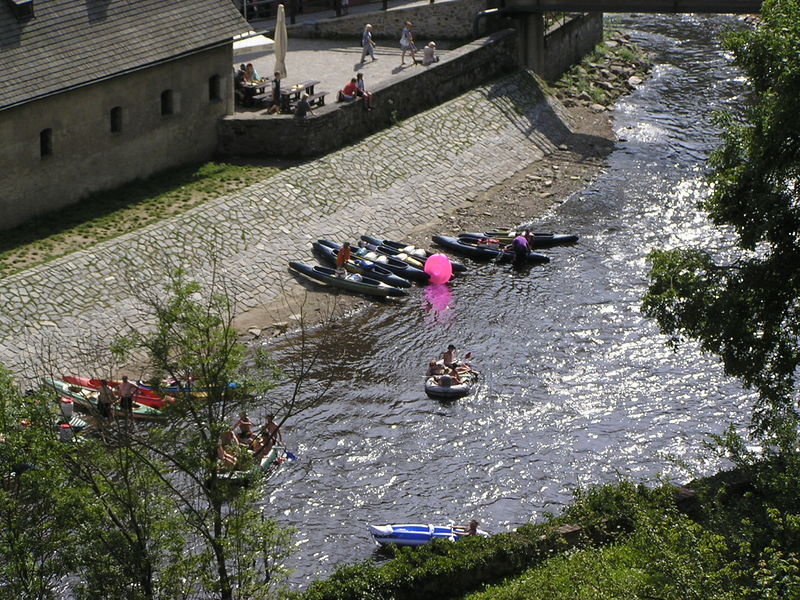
x: 408, y: 534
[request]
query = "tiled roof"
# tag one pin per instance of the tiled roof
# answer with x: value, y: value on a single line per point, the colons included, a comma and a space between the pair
x: 73, y: 42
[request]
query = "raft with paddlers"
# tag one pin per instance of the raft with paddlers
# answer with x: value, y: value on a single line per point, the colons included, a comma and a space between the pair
x: 443, y: 387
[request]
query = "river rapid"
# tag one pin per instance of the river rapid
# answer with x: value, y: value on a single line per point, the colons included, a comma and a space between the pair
x: 577, y: 387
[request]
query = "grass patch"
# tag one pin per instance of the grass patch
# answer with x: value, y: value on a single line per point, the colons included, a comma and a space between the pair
x: 599, y: 573
x: 108, y: 214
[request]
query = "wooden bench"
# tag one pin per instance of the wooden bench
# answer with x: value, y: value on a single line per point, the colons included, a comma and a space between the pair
x: 317, y: 99
x: 266, y: 96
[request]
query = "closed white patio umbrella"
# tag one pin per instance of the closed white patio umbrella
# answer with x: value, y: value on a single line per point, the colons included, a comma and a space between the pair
x: 281, y: 42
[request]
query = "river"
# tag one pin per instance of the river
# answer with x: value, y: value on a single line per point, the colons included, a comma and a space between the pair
x: 577, y: 387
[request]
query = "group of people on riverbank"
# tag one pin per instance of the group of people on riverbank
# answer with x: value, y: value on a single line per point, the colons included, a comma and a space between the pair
x: 108, y: 397
x: 407, y: 46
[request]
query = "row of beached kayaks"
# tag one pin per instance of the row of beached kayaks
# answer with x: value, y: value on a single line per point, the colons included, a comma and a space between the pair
x: 387, y: 268
x: 84, y: 393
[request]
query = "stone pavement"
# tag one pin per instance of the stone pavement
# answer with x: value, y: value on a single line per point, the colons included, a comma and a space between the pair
x: 59, y: 317
x: 333, y: 63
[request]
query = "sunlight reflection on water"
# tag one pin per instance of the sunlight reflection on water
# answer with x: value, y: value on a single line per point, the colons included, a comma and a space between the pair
x: 577, y: 387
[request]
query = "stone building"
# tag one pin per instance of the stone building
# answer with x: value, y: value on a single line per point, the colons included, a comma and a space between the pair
x: 96, y: 93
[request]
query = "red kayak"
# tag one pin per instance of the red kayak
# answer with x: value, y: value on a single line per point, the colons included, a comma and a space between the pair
x: 143, y: 396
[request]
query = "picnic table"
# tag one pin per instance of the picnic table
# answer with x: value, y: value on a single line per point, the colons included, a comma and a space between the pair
x: 251, y: 89
x: 291, y: 94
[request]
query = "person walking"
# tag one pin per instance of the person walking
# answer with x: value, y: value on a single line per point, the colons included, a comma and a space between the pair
x: 367, y: 44
x: 407, y: 44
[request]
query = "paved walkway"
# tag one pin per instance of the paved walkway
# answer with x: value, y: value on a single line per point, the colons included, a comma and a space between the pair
x: 334, y: 62
x: 60, y: 316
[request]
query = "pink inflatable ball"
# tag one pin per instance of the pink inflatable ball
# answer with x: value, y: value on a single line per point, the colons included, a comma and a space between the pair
x: 439, y: 269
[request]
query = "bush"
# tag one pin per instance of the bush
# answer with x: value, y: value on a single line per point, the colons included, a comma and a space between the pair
x: 448, y: 570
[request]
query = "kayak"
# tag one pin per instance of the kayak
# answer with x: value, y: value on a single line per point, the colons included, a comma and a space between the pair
x: 441, y: 391
x: 417, y: 253
x: 86, y: 398
x: 144, y: 395
x: 390, y: 263
x: 415, y: 261
x: 539, y: 240
x: 411, y: 534
x: 470, y: 248
x: 363, y: 267
x: 352, y: 282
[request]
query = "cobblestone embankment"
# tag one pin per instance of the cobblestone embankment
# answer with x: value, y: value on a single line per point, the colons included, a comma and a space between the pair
x: 60, y: 316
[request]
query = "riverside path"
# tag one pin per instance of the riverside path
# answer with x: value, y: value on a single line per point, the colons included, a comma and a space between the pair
x: 60, y: 317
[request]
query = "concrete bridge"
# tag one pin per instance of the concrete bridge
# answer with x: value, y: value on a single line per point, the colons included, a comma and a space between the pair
x: 636, y: 6
x: 528, y: 16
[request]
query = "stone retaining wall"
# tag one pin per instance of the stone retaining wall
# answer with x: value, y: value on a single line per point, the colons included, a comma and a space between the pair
x: 565, y: 45
x: 336, y: 125
x: 438, y: 21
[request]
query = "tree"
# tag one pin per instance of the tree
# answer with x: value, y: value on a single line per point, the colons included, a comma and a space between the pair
x: 131, y: 539
x: 745, y: 306
x: 234, y: 549
x: 39, y: 515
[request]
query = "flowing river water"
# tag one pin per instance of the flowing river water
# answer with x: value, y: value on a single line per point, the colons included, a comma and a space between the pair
x: 577, y: 387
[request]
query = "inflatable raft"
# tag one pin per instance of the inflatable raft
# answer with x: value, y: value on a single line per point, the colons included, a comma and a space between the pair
x: 439, y: 388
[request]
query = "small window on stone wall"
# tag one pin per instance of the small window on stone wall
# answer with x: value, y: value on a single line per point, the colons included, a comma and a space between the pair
x: 46, y: 142
x: 116, y: 119
x: 214, y: 88
x: 167, y: 103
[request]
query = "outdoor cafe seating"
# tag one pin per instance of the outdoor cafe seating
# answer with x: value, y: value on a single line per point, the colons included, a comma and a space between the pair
x: 291, y: 94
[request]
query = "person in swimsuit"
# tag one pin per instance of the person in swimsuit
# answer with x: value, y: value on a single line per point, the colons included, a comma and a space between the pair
x: 520, y: 248
x: 126, y: 391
